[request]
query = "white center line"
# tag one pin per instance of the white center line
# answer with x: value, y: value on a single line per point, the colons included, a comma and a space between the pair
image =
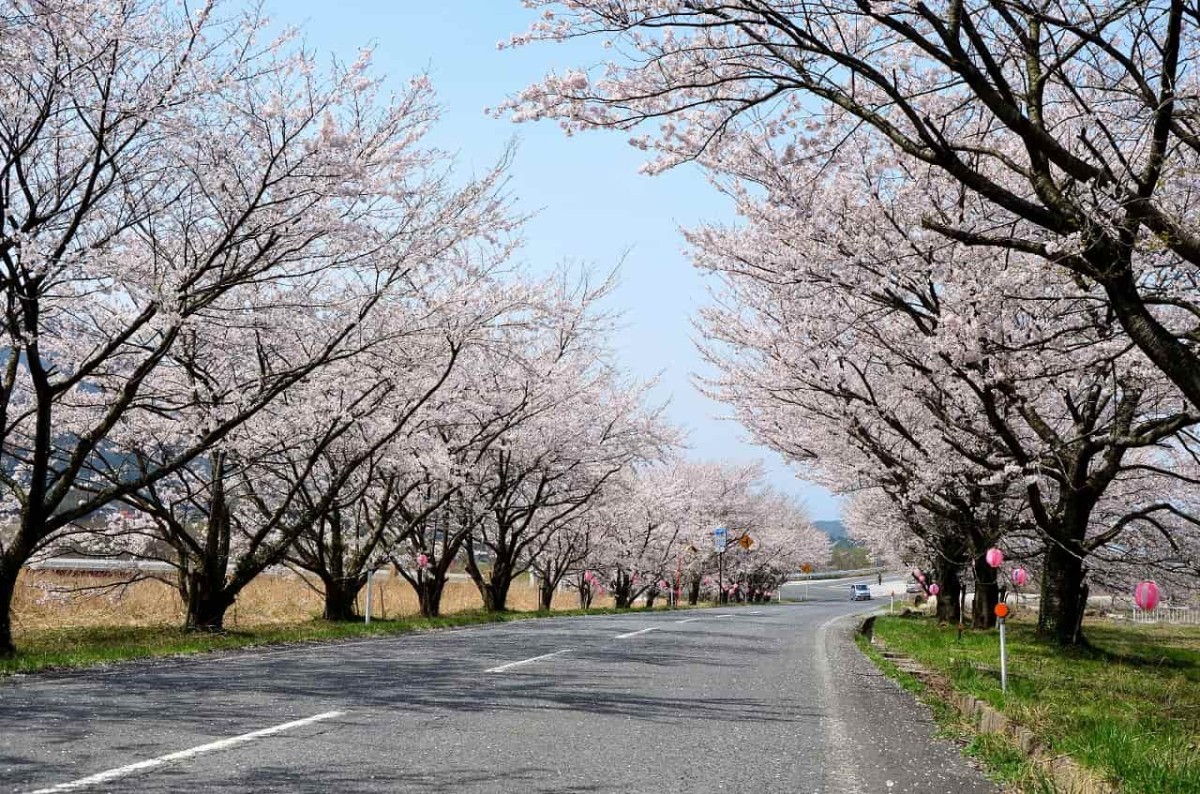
x: 510, y: 665
x: 183, y: 755
x: 635, y: 633
x: 724, y: 616
x: 689, y: 620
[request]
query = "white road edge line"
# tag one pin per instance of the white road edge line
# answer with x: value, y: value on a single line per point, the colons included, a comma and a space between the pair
x: 725, y: 616
x: 841, y: 764
x: 183, y: 755
x: 634, y: 633
x: 689, y: 620
x: 510, y: 665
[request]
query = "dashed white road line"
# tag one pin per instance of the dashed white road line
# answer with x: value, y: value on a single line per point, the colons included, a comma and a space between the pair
x: 635, y: 633
x: 689, y: 620
x: 183, y: 755
x: 511, y: 665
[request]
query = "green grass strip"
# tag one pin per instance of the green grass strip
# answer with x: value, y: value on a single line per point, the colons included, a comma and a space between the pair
x: 1128, y: 707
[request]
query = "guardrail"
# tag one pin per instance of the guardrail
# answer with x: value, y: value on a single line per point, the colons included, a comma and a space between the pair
x: 102, y: 565
x: 818, y: 575
x: 89, y: 565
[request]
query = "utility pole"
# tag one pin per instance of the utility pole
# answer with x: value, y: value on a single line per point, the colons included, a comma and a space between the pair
x: 721, y: 576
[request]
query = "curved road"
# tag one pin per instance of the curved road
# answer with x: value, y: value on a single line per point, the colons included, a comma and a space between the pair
x: 752, y: 699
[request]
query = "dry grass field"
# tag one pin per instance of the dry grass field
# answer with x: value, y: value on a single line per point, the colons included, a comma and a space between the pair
x: 51, y: 601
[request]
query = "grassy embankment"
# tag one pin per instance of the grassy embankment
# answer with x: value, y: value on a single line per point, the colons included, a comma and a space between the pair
x: 1128, y: 708
x: 72, y: 621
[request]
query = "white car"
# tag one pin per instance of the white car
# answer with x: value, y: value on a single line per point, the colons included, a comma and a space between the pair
x: 860, y: 592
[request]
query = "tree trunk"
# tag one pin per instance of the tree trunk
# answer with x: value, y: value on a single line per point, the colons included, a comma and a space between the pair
x: 429, y: 595
x: 623, y: 592
x: 8, y: 586
x: 545, y: 595
x: 585, y: 596
x: 651, y: 597
x: 1061, y: 610
x: 341, y: 596
x: 949, y: 589
x: 204, y: 582
x: 987, y: 595
x: 495, y: 590
x: 620, y: 588
x: 694, y: 592
x: 206, y: 605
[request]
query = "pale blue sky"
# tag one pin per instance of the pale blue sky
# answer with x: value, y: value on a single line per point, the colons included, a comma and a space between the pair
x: 591, y: 203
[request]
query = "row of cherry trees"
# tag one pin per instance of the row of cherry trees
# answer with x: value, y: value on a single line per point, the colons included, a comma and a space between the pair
x: 651, y: 535
x: 234, y: 281
x: 253, y: 319
x: 964, y: 288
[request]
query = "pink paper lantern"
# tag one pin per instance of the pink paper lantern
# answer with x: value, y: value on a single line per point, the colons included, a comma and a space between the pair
x: 422, y: 561
x: 994, y: 557
x: 921, y: 578
x: 934, y: 589
x: 1019, y: 576
x: 662, y: 584
x: 1145, y: 595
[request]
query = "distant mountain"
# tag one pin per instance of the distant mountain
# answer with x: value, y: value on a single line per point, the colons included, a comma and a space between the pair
x: 834, y: 529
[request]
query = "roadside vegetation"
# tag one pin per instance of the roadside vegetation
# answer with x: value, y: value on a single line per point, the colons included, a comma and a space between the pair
x: 141, y: 621
x: 53, y: 602
x: 1127, y: 707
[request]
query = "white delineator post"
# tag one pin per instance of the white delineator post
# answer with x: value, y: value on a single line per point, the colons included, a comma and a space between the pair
x: 367, y: 617
x: 1003, y: 659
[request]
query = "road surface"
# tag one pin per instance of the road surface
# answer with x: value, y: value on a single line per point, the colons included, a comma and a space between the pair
x: 750, y: 699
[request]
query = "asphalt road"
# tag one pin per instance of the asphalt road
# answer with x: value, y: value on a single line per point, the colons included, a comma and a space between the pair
x: 750, y: 699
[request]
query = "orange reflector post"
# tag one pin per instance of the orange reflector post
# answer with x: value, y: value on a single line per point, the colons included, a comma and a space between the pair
x: 1001, y: 610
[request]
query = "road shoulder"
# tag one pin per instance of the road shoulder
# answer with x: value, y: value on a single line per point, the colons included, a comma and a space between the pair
x: 898, y: 744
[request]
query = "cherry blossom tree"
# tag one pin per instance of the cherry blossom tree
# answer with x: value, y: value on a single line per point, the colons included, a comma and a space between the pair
x: 584, y: 422
x: 850, y: 336
x: 946, y: 538
x: 429, y: 360
x: 484, y: 407
x: 776, y: 538
x: 567, y: 552
x: 1067, y: 128
x: 660, y: 521
x: 644, y: 515
x: 165, y: 174
x: 301, y: 463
